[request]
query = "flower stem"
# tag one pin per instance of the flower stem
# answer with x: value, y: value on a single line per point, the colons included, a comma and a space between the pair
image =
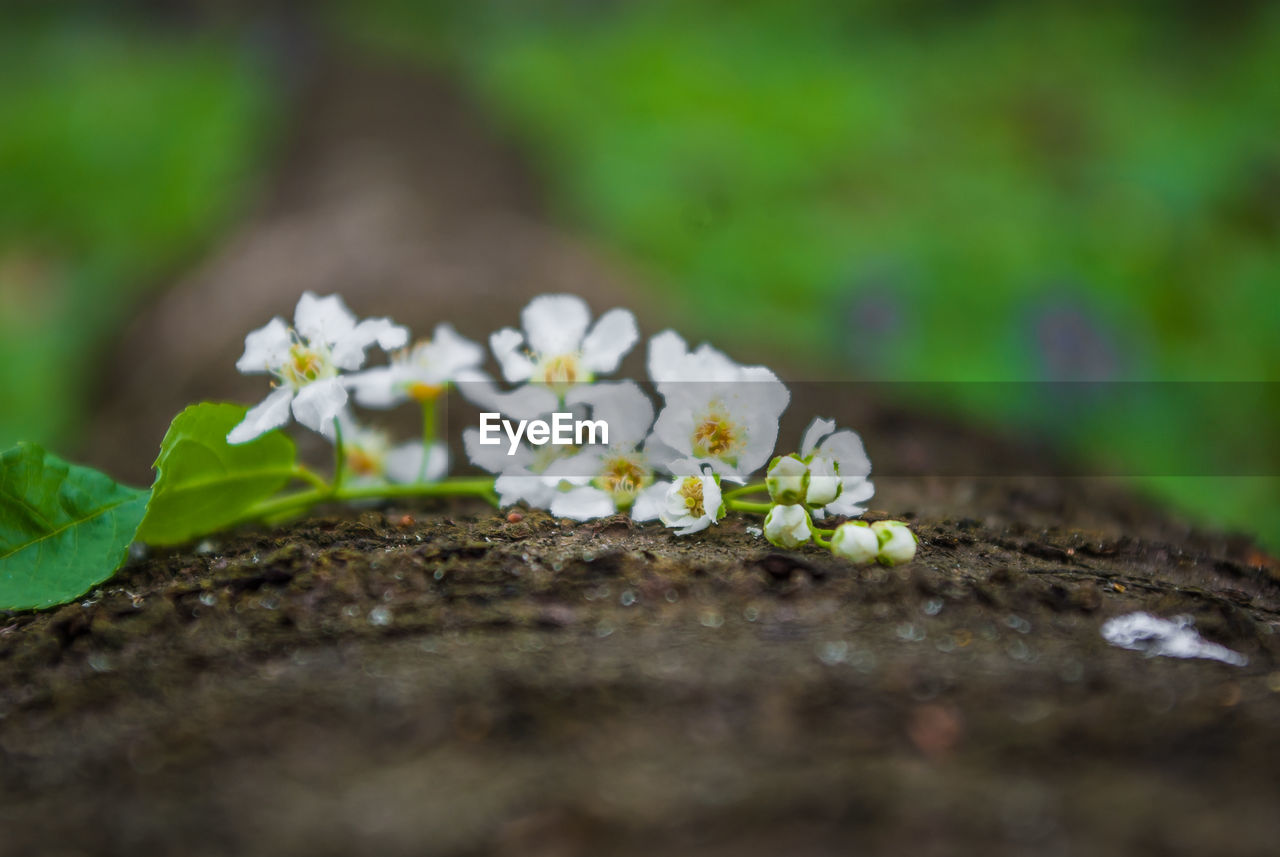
x: 339, y: 457
x: 306, y: 474
x: 753, y: 488
x: 746, y: 505
x: 820, y: 541
x: 300, y: 501
x: 429, y: 423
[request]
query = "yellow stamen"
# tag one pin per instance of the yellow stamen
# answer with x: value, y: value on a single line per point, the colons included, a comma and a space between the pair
x: 361, y: 463
x: 623, y: 477
x: 423, y: 392
x: 691, y: 490
x: 716, y: 436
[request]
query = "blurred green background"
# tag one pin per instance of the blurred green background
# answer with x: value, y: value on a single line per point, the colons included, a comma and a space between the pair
x: 892, y: 191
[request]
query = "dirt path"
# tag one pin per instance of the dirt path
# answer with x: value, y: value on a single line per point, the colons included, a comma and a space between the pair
x: 439, y: 680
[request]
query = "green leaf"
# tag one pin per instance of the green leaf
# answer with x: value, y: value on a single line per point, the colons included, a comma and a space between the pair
x: 204, y: 483
x: 63, y: 528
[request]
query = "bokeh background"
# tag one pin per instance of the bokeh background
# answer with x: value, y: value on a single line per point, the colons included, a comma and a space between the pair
x: 890, y: 191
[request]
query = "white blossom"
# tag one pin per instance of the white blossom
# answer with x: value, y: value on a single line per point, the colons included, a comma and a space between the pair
x: 716, y: 412
x: 689, y: 504
x: 420, y: 372
x: 371, y: 459
x: 557, y: 349
x: 601, y: 480
x: 519, y: 476
x: 897, y: 542
x: 838, y: 470
x: 855, y: 541
x: 787, y: 526
x: 307, y: 361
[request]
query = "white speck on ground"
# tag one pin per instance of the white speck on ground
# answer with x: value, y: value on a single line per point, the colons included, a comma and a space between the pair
x: 1171, y: 638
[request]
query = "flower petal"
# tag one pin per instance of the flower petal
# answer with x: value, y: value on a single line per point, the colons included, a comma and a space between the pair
x: 696, y: 527
x: 650, y: 501
x: 493, y: 456
x: 813, y: 435
x: 847, y: 449
x: 555, y: 324
x: 404, y: 463
x: 265, y: 348
x: 621, y: 404
x: 609, y: 340
x: 711, y: 498
x: 272, y: 412
x: 506, y: 345
x: 534, y: 490
x: 348, y: 349
x: 324, y: 319
x: 523, y: 403
x: 667, y: 351
x: 855, y: 492
x: 582, y: 504
x: 378, y: 388
x: 318, y: 404
x: 449, y: 353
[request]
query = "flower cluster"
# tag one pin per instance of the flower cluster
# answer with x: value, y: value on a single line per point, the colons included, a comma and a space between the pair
x: 686, y: 463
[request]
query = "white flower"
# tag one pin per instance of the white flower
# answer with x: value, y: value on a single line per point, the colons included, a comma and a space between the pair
x: 787, y: 526
x: 370, y: 458
x: 856, y: 541
x: 838, y: 470
x: 306, y: 360
x: 897, y: 542
x: 608, y: 479
x: 787, y: 480
x: 689, y: 503
x: 519, y: 475
x: 717, y: 412
x: 556, y: 348
x: 420, y: 372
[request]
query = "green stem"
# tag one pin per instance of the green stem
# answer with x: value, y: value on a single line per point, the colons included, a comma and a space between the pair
x: 339, y: 457
x: 820, y: 541
x: 306, y: 474
x: 747, y: 506
x: 479, y: 487
x: 285, y: 505
x: 754, y: 488
x: 300, y: 501
x: 429, y: 423
x: 824, y: 531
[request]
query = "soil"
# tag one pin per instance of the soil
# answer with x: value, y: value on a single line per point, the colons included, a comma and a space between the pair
x: 444, y: 679
x: 454, y: 681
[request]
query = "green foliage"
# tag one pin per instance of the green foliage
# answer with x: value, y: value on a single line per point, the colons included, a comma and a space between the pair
x: 63, y: 528
x: 204, y: 483
x: 122, y: 151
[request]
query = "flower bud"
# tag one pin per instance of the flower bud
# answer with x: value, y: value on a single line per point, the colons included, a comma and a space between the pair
x: 897, y: 543
x: 787, y: 526
x: 855, y: 541
x: 824, y: 484
x: 787, y: 480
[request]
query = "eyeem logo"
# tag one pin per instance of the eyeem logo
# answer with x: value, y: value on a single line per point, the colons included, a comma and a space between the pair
x: 563, y: 430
